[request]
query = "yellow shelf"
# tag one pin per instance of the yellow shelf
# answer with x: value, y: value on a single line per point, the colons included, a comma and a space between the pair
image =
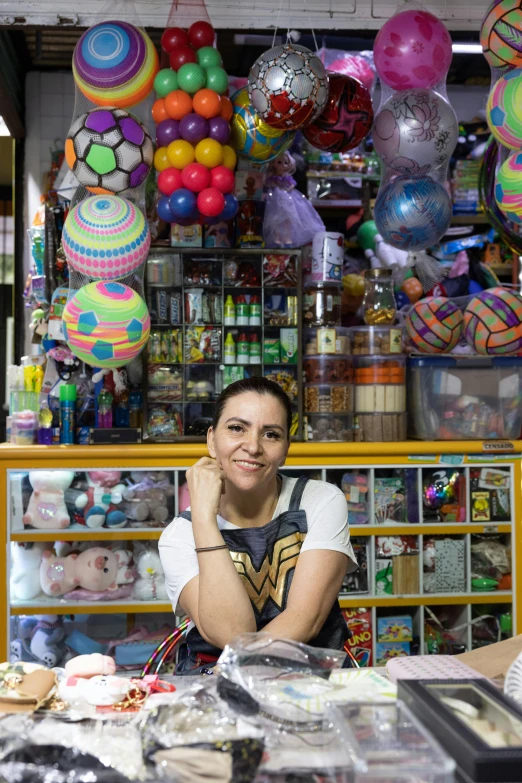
x: 86, y: 534
x: 499, y: 597
x: 428, y: 529
x: 101, y: 607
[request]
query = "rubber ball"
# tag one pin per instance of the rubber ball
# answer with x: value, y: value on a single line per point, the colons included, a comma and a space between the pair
x: 211, y: 202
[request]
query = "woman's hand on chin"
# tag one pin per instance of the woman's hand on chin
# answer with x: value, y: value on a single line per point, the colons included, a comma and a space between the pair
x: 206, y: 483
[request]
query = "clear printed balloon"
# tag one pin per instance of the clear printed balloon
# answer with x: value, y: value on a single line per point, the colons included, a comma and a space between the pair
x: 415, y: 132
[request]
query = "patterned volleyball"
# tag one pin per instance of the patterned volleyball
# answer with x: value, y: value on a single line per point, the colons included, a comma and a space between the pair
x: 251, y: 137
x: 508, y: 187
x: 288, y: 86
x: 504, y: 110
x: 500, y: 33
x: 109, y: 150
x: 105, y: 237
x: 114, y: 64
x: 106, y: 324
x: 493, y: 322
x: 434, y: 325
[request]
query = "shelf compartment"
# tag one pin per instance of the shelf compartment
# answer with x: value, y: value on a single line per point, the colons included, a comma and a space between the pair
x: 430, y: 530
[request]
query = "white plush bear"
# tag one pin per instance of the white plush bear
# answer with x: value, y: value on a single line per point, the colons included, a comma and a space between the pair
x: 150, y: 585
x: 47, y: 509
x: 24, y: 580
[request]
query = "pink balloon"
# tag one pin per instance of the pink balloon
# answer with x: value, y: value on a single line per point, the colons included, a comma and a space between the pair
x: 413, y: 49
x: 353, y: 65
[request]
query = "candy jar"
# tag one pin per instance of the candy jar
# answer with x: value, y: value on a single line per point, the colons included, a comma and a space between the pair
x: 379, y: 306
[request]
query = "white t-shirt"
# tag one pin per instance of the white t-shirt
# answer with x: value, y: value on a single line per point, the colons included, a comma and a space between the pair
x: 327, y: 518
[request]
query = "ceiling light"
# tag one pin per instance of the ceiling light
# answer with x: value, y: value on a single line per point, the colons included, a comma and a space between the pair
x: 466, y: 48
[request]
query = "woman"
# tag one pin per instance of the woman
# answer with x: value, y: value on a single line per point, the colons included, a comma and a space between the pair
x: 257, y: 550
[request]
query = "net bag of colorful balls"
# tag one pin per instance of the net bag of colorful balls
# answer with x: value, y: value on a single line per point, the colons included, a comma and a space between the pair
x: 194, y: 160
x: 415, y: 130
x: 490, y: 324
x: 108, y: 149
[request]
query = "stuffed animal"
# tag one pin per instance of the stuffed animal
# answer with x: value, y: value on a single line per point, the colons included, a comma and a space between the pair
x: 46, y: 509
x: 102, y: 690
x: 20, y: 648
x: 47, y: 640
x: 88, y: 666
x: 150, y: 585
x: 125, y: 573
x: 94, y: 569
x: 147, y: 497
x: 24, y: 581
x: 386, y: 256
x: 99, y: 503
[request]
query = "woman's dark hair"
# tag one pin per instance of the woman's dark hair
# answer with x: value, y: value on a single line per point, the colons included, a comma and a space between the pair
x: 259, y: 385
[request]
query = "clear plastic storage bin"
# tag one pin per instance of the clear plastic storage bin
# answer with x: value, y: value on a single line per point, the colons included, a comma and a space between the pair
x: 327, y: 369
x: 331, y: 398
x: 464, y: 397
x: 376, y: 340
x: 328, y: 427
x: 325, y: 340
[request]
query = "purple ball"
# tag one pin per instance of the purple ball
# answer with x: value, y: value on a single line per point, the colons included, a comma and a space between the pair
x: 167, y: 131
x: 193, y: 128
x: 219, y: 130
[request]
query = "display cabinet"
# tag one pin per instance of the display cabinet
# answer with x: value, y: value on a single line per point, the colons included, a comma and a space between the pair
x: 434, y: 525
x: 218, y: 316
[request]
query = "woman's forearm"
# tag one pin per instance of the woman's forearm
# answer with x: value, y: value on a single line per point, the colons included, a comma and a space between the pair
x: 292, y: 625
x: 224, y: 608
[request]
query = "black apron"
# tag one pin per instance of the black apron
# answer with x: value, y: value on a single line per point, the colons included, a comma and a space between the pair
x: 265, y: 558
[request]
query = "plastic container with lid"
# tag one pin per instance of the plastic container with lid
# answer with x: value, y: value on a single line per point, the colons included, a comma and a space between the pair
x: 379, y: 427
x: 327, y: 340
x: 331, y: 398
x: 376, y: 340
x: 327, y: 369
x: 322, y: 304
x: 328, y: 427
x: 464, y: 397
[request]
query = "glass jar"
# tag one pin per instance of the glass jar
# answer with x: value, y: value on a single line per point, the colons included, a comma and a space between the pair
x: 379, y: 306
x: 322, y: 305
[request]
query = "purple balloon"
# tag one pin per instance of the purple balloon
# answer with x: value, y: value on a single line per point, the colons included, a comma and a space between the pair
x: 167, y: 131
x: 193, y: 128
x: 219, y: 130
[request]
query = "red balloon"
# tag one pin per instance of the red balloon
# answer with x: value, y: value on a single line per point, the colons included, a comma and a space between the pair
x: 169, y: 180
x: 223, y: 179
x: 211, y: 202
x: 173, y: 37
x: 201, y: 34
x: 346, y: 119
x: 181, y: 55
x: 195, y: 177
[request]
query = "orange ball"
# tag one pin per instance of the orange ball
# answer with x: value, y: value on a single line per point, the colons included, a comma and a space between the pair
x: 229, y: 157
x: 227, y: 110
x: 207, y: 103
x: 161, y: 161
x: 413, y: 289
x: 178, y: 104
x: 159, y: 111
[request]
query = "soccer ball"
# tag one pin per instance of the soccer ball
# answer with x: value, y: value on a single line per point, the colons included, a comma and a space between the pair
x: 251, y: 137
x: 288, y: 86
x: 346, y: 119
x: 109, y: 150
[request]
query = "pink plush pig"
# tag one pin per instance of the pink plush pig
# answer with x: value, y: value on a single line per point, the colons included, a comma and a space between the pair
x: 94, y: 569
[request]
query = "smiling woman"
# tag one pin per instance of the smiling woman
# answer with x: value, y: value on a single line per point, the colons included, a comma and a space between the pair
x: 257, y: 550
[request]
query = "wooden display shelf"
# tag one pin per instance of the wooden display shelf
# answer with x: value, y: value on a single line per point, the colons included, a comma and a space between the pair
x: 427, y: 599
x: 430, y: 529
x: 81, y: 533
x: 55, y: 606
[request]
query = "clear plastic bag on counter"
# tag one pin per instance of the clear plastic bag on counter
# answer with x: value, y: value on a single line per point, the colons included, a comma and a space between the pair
x: 55, y: 764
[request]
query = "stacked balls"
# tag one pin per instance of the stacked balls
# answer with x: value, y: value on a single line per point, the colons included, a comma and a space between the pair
x: 194, y: 160
x: 415, y: 131
x: 434, y: 325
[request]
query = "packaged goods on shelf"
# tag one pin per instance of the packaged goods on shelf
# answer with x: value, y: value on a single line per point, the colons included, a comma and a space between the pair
x: 327, y: 340
x: 328, y: 428
x: 385, y: 651
x: 395, y: 629
x: 490, y: 495
x: 334, y: 398
x: 359, y: 622
x: 327, y: 369
x: 321, y: 305
x: 355, y: 486
x: 376, y: 340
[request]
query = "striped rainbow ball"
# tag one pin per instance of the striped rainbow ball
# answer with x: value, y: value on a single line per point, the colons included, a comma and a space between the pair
x: 105, y: 237
x: 114, y: 64
x: 500, y: 33
x: 504, y: 110
x: 434, y: 325
x: 508, y: 187
x: 106, y: 324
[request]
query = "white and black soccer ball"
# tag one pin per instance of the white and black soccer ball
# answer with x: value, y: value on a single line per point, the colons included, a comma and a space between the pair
x: 109, y: 150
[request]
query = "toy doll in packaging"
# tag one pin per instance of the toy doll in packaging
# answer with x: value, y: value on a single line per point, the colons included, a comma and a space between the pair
x: 290, y: 219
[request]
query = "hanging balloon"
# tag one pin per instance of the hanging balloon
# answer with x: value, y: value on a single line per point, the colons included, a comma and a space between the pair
x: 412, y: 213
x: 415, y: 131
x: 114, y: 64
x: 106, y: 324
x: 500, y: 34
x: 412, y: 49
x: 346, y: 119
x: 508, y: 187
x: 352, y: 65
x: 251, y: 137
x: 288, y: 87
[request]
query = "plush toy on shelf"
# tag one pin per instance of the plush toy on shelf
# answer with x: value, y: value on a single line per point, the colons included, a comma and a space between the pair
x: 91, y: 665
x: 24, y: 580
x: 147, y: 496
x: 94, y: 569
x: 42, y: 640
x: 150, y: 585
x: 47, y: 509
x: 99, y: 503
x: 386, y: 256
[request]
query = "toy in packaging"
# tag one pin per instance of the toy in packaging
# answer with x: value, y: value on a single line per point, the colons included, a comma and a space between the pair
x: 444, y: 495
x: 249, y: 185
x: 490, y: 495
x: 219, y: 234
x: 250, y: 224
x: 58, y: 302
x: 359, y: 622
x: 490, y: 564
x: 150, y: 584
x: 279, y: 270
x: 389, y: 500
x: 286, y: 380
x: 148, y: 497
x: 186, y: 236
x: 385, y: 651
x: 395, y: 629
x: 46, y: 508
x: 165, y: 347
x: 354, y: 484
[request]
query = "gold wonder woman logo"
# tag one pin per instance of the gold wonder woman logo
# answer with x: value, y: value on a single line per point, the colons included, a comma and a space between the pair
x: 270, y: 580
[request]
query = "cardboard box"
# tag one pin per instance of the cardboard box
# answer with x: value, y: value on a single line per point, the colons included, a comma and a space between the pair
x: 395, y: 629
x: 450, y: 565
x: 271, y: 350
x: 289, y: 346
x: 186, y: 236
x: 494, y: 660
x: 359, y: 622
x: 385, y: 651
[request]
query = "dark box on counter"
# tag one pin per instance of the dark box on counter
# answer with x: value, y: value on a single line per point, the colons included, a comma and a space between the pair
x: 115, y: 435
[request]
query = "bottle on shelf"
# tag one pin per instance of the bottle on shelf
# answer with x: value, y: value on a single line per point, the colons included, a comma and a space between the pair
x: 242, y: 311
x: 229, y: 311
x: 136, y: 408
x: 255, y: 311
x: 229, y: 353
x: 121, y: 411
x: 45, y: 423
x: 104, y: 417
x: 67, y: 412
x: 243, y: 351
x: 254, y: 349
